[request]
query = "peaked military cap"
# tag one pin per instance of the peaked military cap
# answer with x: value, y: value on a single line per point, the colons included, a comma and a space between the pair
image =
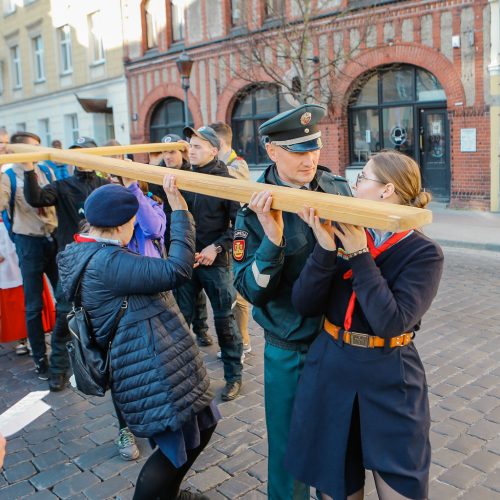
x: 84, y: 142
x: 295, y: 130
x: 171, y: 138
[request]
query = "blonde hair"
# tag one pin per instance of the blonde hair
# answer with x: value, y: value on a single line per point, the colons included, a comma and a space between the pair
x: 404, y: 173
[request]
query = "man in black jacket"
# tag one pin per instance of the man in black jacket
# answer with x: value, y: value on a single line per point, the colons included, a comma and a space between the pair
x: 214, y: 234
x: 178, y: 160
x: 68, y: 196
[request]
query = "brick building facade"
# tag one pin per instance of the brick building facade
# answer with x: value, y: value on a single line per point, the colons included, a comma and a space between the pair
x: 423, y: 66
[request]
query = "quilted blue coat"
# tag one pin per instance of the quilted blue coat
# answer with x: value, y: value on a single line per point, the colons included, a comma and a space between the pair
x: 158, y: 378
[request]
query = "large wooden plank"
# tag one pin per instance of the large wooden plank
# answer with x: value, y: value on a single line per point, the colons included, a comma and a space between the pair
x: 365, y: 213
x: 156, y: 147
x: 44, y: 153
x: 23, y: 157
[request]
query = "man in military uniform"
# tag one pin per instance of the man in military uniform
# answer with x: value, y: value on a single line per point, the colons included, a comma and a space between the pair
x: 269, y: 251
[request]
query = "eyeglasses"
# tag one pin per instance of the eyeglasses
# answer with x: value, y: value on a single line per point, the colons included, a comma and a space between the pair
x: 362, y: 177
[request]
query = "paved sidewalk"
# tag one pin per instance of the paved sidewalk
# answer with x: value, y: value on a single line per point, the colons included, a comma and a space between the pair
x: 464, y: 228
x: 70, y: 453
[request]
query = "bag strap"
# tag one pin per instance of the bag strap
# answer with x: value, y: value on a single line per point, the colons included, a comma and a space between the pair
x: 46, y: 170
x: 13, y: 186
x: 118, y: 317
x: 77, y: 302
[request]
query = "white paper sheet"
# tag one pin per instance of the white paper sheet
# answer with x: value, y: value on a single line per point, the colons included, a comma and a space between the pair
x: 25, y: 411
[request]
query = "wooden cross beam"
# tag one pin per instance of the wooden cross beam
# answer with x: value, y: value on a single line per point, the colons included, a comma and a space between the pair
x: 41, y: 153
x: 377, y: 215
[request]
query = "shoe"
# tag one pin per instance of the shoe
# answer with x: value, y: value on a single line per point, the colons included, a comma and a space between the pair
x: 204, y: 339
x: 219, y: 356
x: 57, y: 382
x: 42, y: 368
x: 189, y: 495
x: 247, y: 348
x: 126, y: 445
x: 22, y: 347
x: 231, y: 391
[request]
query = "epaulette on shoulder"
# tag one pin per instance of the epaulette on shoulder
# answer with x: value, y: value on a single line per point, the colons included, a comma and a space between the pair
x: 339, y: 178
x: 244, y: 210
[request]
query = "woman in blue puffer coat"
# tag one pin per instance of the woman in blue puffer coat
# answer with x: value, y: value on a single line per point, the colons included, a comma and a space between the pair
x: 157, y: 375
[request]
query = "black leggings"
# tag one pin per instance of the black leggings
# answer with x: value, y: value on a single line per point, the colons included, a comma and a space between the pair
x: 159, y: 479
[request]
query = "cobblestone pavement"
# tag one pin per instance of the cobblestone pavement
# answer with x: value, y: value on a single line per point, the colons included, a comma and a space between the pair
x: 69, y: 452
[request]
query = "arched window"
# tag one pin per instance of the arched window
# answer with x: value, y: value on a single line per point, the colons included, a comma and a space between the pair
x: 385, y: 109
x: 168, y: 118
x: 254, y: 106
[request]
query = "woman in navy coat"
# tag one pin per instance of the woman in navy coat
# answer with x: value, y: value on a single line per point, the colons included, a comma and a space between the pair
x: 362, y: 400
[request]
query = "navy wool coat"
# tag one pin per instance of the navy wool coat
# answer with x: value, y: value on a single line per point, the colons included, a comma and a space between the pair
x: 385, y: 389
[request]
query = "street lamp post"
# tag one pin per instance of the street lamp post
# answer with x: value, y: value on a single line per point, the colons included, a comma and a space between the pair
x: 184, y: 65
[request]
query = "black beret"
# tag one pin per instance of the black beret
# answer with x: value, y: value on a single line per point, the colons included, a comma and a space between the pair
x: 111, y: 205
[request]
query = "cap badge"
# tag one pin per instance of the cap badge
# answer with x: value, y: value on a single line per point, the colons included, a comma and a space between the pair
x: 80, y: 140
x: 306, y: 130
x: 305, y: 118
x: 167, y: 139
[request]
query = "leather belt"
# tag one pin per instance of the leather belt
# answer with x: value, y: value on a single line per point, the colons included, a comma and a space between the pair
x: 365, y: 340
x: 297, y: 346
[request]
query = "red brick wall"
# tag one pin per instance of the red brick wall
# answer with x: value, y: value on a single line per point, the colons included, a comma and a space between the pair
x: 470, y: 172
x: 470, y: 176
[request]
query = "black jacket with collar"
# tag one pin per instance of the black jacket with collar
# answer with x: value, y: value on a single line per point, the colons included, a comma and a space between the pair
x: 214, y: 217
x: 68, y: 195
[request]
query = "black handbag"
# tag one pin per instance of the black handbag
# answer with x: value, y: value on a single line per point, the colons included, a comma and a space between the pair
x: 89, y: 362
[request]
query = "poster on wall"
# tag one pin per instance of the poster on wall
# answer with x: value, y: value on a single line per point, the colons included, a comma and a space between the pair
x: 468, y: 140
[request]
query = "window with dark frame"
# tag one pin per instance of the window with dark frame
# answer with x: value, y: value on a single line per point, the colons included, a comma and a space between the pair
x: 383, y: 110
x: 254, y: 106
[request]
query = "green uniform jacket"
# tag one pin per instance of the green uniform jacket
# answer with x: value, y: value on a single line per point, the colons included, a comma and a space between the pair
x: 265, y: 273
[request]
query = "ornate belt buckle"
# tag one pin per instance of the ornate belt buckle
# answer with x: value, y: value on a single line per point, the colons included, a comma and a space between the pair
x: 360, y: 339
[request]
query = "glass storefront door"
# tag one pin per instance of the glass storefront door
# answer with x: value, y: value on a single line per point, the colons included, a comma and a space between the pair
x: 434, y: 152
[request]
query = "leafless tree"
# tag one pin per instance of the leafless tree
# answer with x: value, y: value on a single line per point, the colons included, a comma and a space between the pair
x: 300, y: 50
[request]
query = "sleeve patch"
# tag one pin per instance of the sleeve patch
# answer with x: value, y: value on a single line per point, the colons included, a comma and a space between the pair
x: 238, y: 250
x: 240, y: 234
